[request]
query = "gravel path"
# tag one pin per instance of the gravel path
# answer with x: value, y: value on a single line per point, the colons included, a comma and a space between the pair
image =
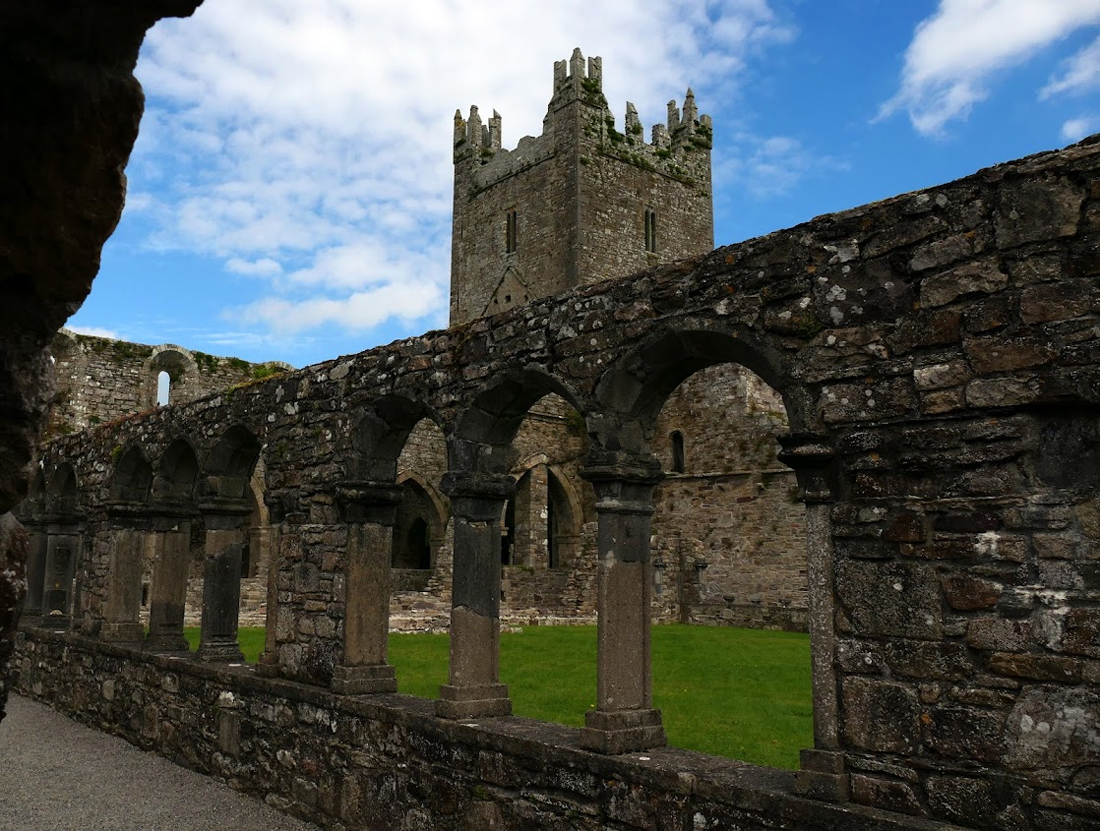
x: 57, y: 775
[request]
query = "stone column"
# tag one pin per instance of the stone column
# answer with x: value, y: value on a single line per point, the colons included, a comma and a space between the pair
x: 474, y: 691
x: 226, y: 527
x: 823, y: 775
x: 55, y: 591
x: 36, y: 568
x: 168, y: 598
x: 624, y: 719
x: 268, y: 665
x: 125, y: 566
x: 370, y: 511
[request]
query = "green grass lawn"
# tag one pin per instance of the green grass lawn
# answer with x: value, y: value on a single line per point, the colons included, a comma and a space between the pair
x: 741, y: 693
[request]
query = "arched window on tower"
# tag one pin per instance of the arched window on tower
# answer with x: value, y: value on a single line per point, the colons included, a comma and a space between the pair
x: 677, y: 441
x: 164, y: 385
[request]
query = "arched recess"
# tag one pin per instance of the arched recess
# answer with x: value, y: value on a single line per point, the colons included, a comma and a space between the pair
x: 132, y: 480
x: 177, y: 474
x: 61, y: 493
x: 635, y: 389
x: 181, y: 368
x: 564, y: 520
x: 231, y: 462
x: 55, y: 546
x: 379, y: 436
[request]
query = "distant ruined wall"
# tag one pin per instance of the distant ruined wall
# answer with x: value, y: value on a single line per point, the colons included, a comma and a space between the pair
x: 101, y: 379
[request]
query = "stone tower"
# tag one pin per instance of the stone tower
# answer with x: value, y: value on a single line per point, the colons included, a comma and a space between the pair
x: 580, y: 203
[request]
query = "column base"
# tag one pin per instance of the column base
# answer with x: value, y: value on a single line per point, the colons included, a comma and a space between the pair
x: 481, y: 701
x: 268, y: 665
x: 220, y: 652
x: 122, y: 633
x: 167, y: 642
x: 364, y: 679
x: 823, y: 776
x: 622, y: 731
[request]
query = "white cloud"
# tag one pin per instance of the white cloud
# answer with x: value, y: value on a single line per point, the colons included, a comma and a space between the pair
x: 954, y: 53
x: 770, y: 166
x: 263, y: 267
x: 308, y: 144
x: 95, y: 332
x: 1082, y: 73
x: 1077, y: 128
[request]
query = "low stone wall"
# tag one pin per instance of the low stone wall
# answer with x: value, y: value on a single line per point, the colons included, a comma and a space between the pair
x: 387, y: 762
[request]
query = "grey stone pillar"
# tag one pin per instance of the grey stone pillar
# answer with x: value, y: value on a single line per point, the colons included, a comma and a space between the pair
x: 121, y: 622
x: 823, y: 774
x: 168, y: 598
x: 268, y: 665
x: 226, y: 528
x: 55, y: 589
x: 370, y: 511
x: 624, y: 719
x: 36, y: 568
x: 474, y: 691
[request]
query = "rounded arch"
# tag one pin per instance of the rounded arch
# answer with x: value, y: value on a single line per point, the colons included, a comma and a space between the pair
x: 486, y: 428
x: 177, y: 472
x: 230, y: 463
x: 132, y: 480
x: 61, y: 491
x: 638, y: 384
x: 380, y: 434
x: 177, y: 362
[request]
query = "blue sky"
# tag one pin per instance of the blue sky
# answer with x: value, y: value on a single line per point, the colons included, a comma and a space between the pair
x: 290, y: 191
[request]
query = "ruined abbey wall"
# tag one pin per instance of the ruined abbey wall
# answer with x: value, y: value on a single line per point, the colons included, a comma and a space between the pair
x: 101, y: 379
x: 937, y: 358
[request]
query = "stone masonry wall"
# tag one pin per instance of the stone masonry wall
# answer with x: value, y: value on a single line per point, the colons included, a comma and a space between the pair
x: 386, y: 763
x: 938, y: 355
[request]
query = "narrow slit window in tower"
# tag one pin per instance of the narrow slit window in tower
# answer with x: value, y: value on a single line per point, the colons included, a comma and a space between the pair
x: 651, y: 230
x: 677, y: 439
x: 510, y: 232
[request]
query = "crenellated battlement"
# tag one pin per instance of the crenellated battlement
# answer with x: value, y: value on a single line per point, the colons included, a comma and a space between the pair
x: 680, y: 147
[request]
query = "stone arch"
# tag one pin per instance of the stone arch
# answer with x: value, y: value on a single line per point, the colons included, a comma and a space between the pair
x: 379, y: 435
x: 636, y: 388
x: 638, y: 384
x: 61, y: 492
x: 231, y: 462
x: 486, y: 428
x: 132, y: 480
x: 181, y: 367
x: 177, y: 473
